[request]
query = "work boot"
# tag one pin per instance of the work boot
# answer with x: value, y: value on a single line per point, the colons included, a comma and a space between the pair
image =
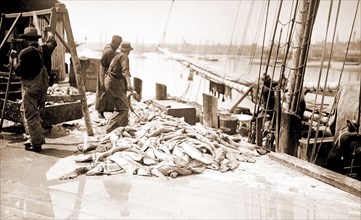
x: 30, y: 147
x: 101, y: 115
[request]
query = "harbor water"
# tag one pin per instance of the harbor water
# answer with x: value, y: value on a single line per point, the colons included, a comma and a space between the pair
x: 155, y: 67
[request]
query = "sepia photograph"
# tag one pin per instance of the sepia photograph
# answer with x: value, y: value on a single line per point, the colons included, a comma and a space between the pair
x: 180, y: 109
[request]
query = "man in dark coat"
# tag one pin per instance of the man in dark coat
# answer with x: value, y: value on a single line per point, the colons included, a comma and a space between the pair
x: 33, y: 65
x: 109, y: 51
x: 117, y: 83
x: 346, y: 150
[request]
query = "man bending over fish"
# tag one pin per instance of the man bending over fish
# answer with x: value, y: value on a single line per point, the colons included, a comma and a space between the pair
x: 117, y: 83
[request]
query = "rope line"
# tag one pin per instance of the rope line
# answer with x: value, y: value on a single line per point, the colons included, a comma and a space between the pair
x: 166, y: 25
x: 334, y: 104
x: 320, y: 73
x: 232, y: 35
x: 326, y: 79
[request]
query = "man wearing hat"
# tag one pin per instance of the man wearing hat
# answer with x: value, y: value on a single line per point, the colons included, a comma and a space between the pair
x: 346, y: 149
x: 117, y: 83
x: 109, y: 51
x: 33, y: 65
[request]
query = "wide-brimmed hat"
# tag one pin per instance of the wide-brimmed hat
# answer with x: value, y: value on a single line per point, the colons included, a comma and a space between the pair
x: 30, y: 32
x: 125, y: 46
x: 353, y: 124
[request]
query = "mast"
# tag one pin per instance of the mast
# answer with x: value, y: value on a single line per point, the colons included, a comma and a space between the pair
x: 290, y: 122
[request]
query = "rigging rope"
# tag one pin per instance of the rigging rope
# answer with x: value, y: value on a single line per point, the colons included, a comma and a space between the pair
x: 290, y: 32
x: 260, y: 68
x: 234, y: 27
x: 273, y: 36
x: 166, y: 25
x: 269, y: 58
x: 240, y: 49
x: 341, y: 73
x: 325, y: 84
x: 306, y: 43
x: 320, y: 73
x: 254, y: 47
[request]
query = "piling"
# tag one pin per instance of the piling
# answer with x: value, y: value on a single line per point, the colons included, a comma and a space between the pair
x: 210, y: 111
x: 138, y: 86
x: 161, y: 91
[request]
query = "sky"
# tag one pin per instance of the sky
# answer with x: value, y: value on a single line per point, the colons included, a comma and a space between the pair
x: 197, y: 21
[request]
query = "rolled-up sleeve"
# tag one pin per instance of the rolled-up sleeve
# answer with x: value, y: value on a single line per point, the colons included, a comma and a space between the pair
x: 51, y: 44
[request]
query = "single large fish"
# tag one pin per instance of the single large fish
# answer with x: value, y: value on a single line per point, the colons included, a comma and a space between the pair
x: 195, y: 154
x: 233, y: 161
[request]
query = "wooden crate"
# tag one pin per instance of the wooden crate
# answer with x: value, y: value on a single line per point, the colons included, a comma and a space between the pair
x: 52, y: 114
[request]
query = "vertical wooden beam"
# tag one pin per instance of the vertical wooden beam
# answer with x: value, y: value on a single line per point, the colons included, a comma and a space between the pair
x: 77, y: 69
x: 289, y: 138
x: 138, y: 86
x: 210, y: 111
x: 37, y: 26
x: 278, y: 109
x: 259, y: 123
x: 160, y: 91
x: 53, y: 19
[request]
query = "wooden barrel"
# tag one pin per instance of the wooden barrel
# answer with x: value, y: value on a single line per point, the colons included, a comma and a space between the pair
x: 228, y: 124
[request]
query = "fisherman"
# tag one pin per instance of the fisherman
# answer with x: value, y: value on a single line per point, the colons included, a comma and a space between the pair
x: 117, y: 83
x: 109, y: 51
x: 29, y: 65
x: 346, y: 150
x: 268, y: 95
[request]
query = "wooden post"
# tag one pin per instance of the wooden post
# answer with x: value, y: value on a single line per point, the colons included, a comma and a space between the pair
x: 289, y: 138
x: 138, y: 86
x: 161, y: 91
x: 278, y: 109
x: 210, y: 111
x: 259, y: 123
x: 77, y: 69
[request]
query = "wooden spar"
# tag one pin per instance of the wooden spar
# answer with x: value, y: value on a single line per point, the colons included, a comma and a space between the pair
x: 308, y: 115
x: 330, y: 88
x: 297, y: 44
x: 29, y: 14
x: 306, y: 42
x: 11, y: 30
x: 240, y: 99
x: 77, y: 68
x: 206, y: 73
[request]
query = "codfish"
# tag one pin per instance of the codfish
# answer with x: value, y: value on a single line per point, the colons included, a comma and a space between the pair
x: 195, y: 154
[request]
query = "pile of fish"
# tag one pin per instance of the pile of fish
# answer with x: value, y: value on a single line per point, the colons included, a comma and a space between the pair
x: 62, y: 90
x: 157, y: 144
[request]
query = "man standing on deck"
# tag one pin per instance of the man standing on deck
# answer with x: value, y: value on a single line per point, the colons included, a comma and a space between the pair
x: 109, y: 51
x: 33, y: 66
x: 346, y: 150
x: 117, y: 83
